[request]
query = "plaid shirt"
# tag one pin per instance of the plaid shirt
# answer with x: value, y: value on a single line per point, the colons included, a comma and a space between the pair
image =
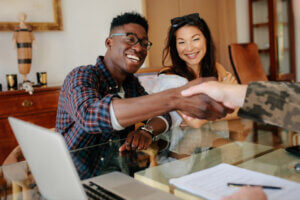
x: 83, y: 116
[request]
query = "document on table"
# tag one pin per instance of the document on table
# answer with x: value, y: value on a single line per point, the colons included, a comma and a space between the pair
x: 211, y: 183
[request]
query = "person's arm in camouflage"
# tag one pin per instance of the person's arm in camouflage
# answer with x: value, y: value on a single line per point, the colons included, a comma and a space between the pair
x: 276, y: 103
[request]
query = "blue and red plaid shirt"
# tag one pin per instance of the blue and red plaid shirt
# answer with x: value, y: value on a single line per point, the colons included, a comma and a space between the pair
x: 83, y: 116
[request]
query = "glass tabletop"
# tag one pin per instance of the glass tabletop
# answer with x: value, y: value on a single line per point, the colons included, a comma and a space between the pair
x: 178, y: 152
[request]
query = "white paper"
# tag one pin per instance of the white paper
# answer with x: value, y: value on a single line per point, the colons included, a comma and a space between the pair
x: 211, y: 183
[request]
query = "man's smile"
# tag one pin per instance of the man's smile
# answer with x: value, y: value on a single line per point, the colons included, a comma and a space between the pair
x: 134, y: 58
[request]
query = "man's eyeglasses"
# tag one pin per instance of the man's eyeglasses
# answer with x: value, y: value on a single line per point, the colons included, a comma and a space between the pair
x: 178, y: 21
x: 132, y: 39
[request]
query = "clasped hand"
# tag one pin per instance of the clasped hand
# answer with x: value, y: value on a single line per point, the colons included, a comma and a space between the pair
x: 139, y: 140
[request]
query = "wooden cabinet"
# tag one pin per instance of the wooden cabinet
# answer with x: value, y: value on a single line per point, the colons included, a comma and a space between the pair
x: 39, y: 108
x: 272, y: 29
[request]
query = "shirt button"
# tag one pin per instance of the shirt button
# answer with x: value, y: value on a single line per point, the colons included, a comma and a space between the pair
x: 110, y: 88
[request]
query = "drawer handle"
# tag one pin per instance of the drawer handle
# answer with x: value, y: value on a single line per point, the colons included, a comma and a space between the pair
x: 27, y: 103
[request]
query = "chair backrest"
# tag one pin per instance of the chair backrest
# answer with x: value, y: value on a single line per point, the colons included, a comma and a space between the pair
x: 246, y: 63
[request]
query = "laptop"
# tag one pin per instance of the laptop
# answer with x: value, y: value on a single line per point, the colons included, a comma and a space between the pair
x: 56, y: 177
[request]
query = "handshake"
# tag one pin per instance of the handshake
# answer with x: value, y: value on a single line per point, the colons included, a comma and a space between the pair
x: 209, y: 99
x: 203, y: 98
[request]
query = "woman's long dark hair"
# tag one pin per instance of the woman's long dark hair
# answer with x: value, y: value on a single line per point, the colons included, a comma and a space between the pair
x: 179, y: 67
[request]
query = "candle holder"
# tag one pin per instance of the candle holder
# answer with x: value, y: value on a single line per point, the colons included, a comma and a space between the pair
x: 12, y: 81
x: 41, y: 78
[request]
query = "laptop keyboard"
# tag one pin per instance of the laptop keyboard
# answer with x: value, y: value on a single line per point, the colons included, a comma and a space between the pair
x: 95, y: 191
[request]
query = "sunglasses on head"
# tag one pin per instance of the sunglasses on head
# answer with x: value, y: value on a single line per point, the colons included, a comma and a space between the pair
x: 177, y: 21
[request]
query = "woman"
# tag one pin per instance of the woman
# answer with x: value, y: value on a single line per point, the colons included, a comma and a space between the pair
x: 192, y: 53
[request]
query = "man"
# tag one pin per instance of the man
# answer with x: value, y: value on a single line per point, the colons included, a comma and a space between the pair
x: 275, y: 103
x: 98, y: 102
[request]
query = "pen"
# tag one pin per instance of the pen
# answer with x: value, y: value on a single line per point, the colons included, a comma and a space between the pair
x: 252, y: 185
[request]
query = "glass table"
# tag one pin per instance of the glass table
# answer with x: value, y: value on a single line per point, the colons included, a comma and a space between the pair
x: 179, y: 152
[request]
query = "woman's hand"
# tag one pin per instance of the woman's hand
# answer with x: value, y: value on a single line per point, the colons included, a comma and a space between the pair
x: 139, y: 139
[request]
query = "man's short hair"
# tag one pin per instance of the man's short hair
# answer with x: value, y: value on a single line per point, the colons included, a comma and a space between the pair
x: 129, y: 17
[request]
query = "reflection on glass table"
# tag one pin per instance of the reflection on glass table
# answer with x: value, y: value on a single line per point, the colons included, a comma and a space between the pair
x: 179, y: 152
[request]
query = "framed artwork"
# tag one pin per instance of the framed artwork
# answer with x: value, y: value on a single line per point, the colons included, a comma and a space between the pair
x: 42, y: 15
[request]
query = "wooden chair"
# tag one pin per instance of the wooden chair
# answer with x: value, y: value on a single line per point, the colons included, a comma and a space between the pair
x: 246, y: 63
x: 247, y: 67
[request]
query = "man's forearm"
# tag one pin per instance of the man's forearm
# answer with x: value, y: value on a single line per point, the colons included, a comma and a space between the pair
x: 132, y: 110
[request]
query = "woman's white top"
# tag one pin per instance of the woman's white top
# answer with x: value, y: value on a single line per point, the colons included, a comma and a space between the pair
x: 165, y: 82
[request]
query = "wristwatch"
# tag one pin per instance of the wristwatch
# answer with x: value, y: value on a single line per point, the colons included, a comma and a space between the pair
x: 149, y: 129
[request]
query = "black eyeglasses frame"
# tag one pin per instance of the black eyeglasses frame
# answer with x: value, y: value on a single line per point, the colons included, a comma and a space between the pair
x: 149, y: 44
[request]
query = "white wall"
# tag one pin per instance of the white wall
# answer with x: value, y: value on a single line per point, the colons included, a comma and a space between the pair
x: 243, y: 32
x: 242, y: 21
x: 85, y: 29
x: 86, y: 25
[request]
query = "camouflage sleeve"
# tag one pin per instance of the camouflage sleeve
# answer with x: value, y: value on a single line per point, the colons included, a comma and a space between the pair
x: 276, y: 103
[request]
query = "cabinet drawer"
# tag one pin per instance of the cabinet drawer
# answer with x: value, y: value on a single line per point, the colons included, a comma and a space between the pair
x: 28, y: 103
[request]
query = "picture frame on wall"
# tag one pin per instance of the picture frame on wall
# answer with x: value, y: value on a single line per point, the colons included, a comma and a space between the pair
x: 42, y: 15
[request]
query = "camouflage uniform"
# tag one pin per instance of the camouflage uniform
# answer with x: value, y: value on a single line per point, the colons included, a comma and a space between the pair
x: 276, y: 103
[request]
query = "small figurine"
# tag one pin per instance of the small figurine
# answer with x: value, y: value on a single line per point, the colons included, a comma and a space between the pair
x: 28, y: 87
